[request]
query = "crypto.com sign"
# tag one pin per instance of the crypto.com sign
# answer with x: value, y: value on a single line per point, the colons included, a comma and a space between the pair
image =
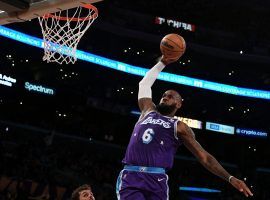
x: 175, y: 24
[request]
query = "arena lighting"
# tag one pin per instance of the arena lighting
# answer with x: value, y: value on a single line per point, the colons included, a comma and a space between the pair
x: 198, y: 189
x: 134, y: 112
x: 229, y: 89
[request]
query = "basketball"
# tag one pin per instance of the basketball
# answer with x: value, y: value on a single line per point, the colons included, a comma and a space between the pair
x: 173, y: 46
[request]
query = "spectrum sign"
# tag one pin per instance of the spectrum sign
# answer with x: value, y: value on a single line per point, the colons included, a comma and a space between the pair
x: 38, y: 88
x: 251, y: 133
x: 219, y: 128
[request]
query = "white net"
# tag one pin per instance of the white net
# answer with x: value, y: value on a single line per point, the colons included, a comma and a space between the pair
x: 62, y: 32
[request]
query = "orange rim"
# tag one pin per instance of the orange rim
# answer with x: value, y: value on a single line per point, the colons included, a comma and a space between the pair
x: 87, y: 6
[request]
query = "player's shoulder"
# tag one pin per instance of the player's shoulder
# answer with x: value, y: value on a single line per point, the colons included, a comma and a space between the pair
x: 181, y: 126
x: 184, y: 129
x: 144, y: 114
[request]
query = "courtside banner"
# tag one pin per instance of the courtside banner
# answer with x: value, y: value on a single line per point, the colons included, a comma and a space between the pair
x: 7, y: 80
x: 139, y: 71
x: 219, y: 128
x: 193, y: 123
x: 175, y: 24
x: 251, y: 133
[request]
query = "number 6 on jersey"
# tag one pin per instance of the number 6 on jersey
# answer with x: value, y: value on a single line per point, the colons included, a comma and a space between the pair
x: 148, y: 136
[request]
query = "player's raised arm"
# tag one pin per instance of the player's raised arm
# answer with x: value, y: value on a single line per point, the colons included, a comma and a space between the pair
x: 145, y: 93
x: 207, y: 160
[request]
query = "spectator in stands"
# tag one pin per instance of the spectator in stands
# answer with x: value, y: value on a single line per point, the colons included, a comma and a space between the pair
x: 83, y: 192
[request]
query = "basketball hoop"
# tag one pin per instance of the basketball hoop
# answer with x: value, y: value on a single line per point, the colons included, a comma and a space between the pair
x: 63, y: 30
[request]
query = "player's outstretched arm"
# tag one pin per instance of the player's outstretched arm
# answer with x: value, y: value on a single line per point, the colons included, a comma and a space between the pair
x: 145, y: 93
x: 207, y: 160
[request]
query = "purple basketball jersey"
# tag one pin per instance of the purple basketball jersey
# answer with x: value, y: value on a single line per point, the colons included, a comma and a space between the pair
x: 153, y: 142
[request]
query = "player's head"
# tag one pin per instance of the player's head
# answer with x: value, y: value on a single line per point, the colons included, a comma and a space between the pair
x: 169, y: 103
x: 83, y: 192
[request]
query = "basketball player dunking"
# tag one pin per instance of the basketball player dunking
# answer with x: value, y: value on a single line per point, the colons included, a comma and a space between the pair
x: 153, y: 144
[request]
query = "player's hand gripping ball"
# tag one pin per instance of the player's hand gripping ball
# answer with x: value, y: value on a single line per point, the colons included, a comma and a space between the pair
x: 172, y: 46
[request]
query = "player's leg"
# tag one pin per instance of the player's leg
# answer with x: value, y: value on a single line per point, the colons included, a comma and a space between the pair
x: 124, y: 189
x: 158, y: 196
x: 161, y: 188
x: 130, y: 194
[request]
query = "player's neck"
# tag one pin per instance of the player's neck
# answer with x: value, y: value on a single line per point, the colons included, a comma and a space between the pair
x: 168, y: 115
